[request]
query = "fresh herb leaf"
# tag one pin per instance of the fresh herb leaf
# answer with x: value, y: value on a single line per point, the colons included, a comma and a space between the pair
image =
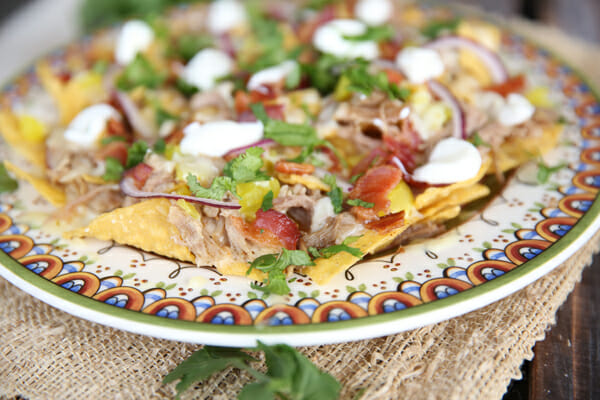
x: 136, y: 154
x: 160, y: 146
x: 7, y: 184
x: 204, y: 363
x: 283, y: 132
x: 112, y: 169
x: 140, y: 72
x: 351, y: 239
x: 320, y: 4
x: 163, y: 116
x: 544, y: 171
x: 110, y: 139
x: 324, y: 73
x: 292, y: 80
x: 100, y: 66
x: 328, y: 252
x: 436, y: 28
x: 269, y: 39
x: 274, y: 266
x: 246, y: 167
x: 187, y: 46
x: 374, y: 33
x: 335, y: 193
x: 290, y: 375
x: 219, y: 186
x: 360, y: 203
x: 267, y: 202
x: 359, y: 79
x: 356, y: 177
x: 185, y: 88
x: 477, y: 141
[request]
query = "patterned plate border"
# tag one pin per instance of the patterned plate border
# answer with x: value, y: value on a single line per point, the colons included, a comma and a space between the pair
x: 562, y: 231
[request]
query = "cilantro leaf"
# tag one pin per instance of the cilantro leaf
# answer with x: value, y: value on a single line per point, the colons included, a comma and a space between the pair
x: 219, y: 186
x: 100, y: 67
x: 374, y: 33
x: 290, y: 375
x: 110, y: 139
x: 335, y: 193
x: 292, y: 80
x: 477, y: 141
x: 267, y: 202
x: 186, y: 46
x: 7, y: 184
x: 140, y: 72
x: 185, y: 88
x: 163, y: 116
x: 435, y: 28
x: 274, y: 265
x: 136, y: 154
x: 160, y: 146
x: 324, y: 73
x: 205, y: 362
x: 112, y: 170
x: 246, y: 167
x: 544, y: 171
x: 283, y: 132
x: 359, y: 79
x: 360, y: 203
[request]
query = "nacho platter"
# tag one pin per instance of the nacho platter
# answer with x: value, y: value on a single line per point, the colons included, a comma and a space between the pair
x: 479, y: 261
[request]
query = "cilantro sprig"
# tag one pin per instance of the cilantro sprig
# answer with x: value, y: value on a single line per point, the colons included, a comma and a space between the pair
x: 244, y: 168
x: 374, y: 33
x: 335, y: 193
x: 274, y: 266
x: 289, y: 375
x: 544, y: 171
x: 7, y: 184
x: 140, y: 72
x: 359, y: 79
x: 283, y: 132
x: 330, y: 251
x: 436, y: 28
x: 360, y: 203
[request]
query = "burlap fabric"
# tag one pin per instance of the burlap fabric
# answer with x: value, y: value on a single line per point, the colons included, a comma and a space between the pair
x: 48, y: 354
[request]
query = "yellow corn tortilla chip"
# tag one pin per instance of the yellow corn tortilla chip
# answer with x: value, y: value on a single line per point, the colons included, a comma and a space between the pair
x: 239, y: 268
x: 143, y: 225
x: 54, y: 195
x: 310, y: 181
x: 327, y: 268
x: 34, y: 152
x: 517, y: 151
x: 458, y: 197
x: 432, y: 195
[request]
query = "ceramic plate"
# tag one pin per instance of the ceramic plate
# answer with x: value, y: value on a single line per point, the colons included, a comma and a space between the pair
x: 520, y: 235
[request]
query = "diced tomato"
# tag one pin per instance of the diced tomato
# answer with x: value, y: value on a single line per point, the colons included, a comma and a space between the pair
x: 140, y: 174
x: 284, y: 228
x: 244, y: 99
x: 116, y: 150
x: 116, y: 128
x: 375, y: 186
x: 274, y: 111
x: 512, y: 85
x: 388, y: 50
x: 387, y: 223
x: 375, y: 157
x: 288, y: 167
x: 64, y: 76
x: 394, y: 76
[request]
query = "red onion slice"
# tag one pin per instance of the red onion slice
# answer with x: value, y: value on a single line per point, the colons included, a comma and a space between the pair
x: 237, y: 151
x: 489, y: 58
x: 128, y: 187
x: 135, y: 118
x: 459, y: 129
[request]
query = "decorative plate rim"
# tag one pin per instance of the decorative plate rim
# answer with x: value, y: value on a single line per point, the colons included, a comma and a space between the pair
x: 317, y: 333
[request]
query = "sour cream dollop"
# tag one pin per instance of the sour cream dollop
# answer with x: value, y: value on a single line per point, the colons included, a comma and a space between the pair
x: 273, y: 74
x: 419, y: 64
x: 206, y: 67
x: 373, y: 12
x: 331, y: 38
x: 217, y: 138
x: 224, y: 15
x: 515, y: 111
x: 135, y: 37
x: 322, y: 211
x: 88, y: 125
x: 452, y: 160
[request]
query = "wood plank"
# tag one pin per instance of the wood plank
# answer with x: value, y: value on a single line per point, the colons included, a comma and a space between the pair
x: 567, y: 363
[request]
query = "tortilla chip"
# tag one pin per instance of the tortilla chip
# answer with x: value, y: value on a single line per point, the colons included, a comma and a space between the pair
x: 143, y: 225
x: 517, y: 151
x: 432, y: 195
x: 458, y: 197
x: 371, y: 241
x: 34, y: 152
x: 239, y: 268
x: 54, y: 195
x: 310, y: 181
